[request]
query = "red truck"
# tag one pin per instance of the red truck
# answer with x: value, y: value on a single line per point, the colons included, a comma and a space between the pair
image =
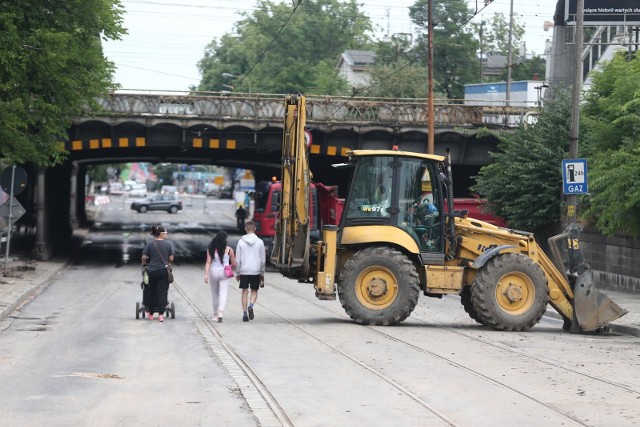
x: 476, y: 208
x: 326, y: 209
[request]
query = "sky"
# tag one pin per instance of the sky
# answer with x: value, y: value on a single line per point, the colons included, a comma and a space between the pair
x: 167, y: 38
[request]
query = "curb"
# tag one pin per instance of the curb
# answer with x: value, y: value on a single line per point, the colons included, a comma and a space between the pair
x: 32, y: 291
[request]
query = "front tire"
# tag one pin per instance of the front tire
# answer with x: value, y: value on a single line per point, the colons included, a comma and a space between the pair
x: 173, y: 209
x: 465, y: 300
x: 142, y: 209
x: 378, y: 286
x: 510, y: 293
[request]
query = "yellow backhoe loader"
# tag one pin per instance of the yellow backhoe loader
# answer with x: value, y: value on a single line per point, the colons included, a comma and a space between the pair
x: 399, y: 235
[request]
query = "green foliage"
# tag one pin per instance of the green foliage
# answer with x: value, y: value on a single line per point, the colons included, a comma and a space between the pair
x: 611, y: 140
x: 526, y: 70
x: 524, y: 184
x: 454, y: 47
x: 277, y: 51
x: 51, y: 67
x: 495, y: 35
x: 397, y: 81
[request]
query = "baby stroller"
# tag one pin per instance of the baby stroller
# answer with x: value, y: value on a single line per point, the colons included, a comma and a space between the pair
x: 141, y: 309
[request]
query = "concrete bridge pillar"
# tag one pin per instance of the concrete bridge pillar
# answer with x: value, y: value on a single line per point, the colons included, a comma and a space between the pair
x: 40, y: 251
x: 73, y: 202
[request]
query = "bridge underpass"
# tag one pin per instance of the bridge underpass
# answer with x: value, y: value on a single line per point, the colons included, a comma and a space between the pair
x: 247, y: 133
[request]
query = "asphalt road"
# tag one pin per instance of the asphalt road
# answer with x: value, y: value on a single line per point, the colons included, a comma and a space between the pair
x: 76, y: 355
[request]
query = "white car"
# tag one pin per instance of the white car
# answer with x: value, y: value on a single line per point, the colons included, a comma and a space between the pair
x: 138, y: 190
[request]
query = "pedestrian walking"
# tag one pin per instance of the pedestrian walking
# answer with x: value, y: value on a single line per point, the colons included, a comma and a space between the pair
x: 241, y: 215
x: 250, y: 257
x: 218, y: 271
x: 157, y: 257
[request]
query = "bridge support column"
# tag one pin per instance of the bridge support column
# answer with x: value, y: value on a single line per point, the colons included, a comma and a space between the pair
x: 40, y: 251
x: 73, y: 199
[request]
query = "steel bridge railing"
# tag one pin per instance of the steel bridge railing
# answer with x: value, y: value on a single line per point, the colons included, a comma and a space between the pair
x: 320, y: 110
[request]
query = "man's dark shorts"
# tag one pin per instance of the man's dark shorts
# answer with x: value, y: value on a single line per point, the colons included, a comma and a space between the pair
x: 250, y: 281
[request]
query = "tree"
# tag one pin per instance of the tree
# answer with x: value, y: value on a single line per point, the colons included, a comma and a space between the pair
x: 281, y: 49
x: 454, y: 53
x: 611, y: 141
x: 495, y: 36
x: 51, y: 68
x: 524, y: 183
x: 526, y: 69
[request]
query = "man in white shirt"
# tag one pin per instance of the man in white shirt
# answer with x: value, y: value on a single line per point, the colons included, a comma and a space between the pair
x: 250, y: 257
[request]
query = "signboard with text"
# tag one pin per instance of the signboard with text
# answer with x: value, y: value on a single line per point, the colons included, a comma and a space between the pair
x: 574, y: 176
x: 604, y: 12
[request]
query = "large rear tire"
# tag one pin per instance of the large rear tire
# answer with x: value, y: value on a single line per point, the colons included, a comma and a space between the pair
x: 510, y: 293
x: 378, y: 286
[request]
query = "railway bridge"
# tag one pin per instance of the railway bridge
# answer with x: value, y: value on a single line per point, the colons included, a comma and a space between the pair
x: 245, y: 131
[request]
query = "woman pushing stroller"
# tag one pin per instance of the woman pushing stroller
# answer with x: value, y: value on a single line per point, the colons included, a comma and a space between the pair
x: 157, y: 257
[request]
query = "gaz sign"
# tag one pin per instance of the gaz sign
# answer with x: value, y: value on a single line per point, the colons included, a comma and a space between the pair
x: 574, y: 176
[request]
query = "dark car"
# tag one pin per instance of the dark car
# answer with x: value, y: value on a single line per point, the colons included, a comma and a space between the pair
x: 226, y: 193
x: 161, y: 202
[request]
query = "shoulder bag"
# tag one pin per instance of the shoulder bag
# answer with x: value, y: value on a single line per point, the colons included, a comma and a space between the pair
x: 169, y: 270
x: 228, y: 271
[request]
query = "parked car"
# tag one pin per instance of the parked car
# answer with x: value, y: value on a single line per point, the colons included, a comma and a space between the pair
x: 162, y: 202
x: 225, y: 193
x: 138, y: 190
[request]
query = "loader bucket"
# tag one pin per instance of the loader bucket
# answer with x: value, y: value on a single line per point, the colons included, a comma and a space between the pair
x: 593, y: 309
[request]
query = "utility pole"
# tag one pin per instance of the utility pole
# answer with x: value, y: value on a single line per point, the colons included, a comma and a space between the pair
x: 509, y: 61
x: 481, y: 35
x: 430, y: 109
x: 574, y: 132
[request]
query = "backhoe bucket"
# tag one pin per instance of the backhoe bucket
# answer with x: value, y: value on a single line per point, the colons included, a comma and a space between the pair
x: 593, y: 309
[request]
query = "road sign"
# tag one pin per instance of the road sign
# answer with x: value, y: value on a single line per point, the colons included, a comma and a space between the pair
x: 574, y: 176
x: 13, y: 175
x: 17, y: 210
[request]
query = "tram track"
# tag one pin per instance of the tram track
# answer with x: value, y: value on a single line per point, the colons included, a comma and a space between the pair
x: 268, y: 411
x: 263, y: 404
x: 379, y: 331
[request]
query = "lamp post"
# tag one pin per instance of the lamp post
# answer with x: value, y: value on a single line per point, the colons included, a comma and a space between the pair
x: 234, y: 76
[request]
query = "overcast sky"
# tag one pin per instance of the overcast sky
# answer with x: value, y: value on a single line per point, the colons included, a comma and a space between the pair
x: 167, y: 37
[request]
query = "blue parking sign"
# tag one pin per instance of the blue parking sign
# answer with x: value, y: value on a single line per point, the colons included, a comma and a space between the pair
x: 574, y: 176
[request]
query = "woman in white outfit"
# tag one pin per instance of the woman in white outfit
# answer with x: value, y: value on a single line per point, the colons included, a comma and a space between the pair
x: 219, y: 254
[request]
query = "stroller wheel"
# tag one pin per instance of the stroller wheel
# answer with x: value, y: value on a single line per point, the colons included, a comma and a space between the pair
x: 137, y: 310
x: 173, y: 311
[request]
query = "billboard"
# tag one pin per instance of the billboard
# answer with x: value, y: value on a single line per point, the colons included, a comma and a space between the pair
x: 604, y: 12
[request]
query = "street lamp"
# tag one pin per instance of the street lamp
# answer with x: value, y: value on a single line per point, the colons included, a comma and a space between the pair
x: 233, y: 76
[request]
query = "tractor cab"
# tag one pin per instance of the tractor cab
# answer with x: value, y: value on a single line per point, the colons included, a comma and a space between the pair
x: 402, y: 190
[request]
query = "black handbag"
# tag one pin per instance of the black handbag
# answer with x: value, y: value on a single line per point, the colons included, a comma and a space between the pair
x: 169, y: 269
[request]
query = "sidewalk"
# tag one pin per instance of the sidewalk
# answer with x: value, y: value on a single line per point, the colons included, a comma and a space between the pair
x: 27, y: 278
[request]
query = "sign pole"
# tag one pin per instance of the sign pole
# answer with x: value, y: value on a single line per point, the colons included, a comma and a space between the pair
x: 9, y: 222
x: 575, y: 105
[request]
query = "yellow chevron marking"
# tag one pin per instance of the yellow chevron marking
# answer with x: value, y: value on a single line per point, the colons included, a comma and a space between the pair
x: 106, y: 142
x: 94, y: 143
x: 140, y: 142
x: 214, y: 143
x: 76, y: 145
x: 197, y: 142
x: 123, y: 142
x: 231, y: 144
x: 315, y: 149
x: 331, y: 151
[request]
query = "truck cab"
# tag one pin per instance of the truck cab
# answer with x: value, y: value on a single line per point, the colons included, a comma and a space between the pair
x: 325, y: 209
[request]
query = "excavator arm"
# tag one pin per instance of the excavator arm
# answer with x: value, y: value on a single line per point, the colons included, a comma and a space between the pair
x: 291, y: 242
